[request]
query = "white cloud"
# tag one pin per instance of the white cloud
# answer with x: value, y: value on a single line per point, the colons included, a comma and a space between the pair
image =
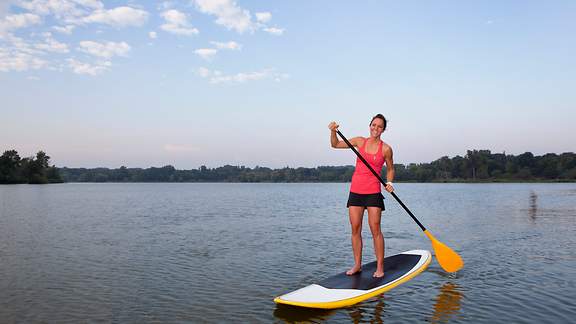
x: 231, y: 16
x: 16, y: 54
x: 209, y: 53
x: 274, y: 31
x: 64, y: 29
x: 15, y: 60
x: 206, y: 53
x: 118, y: 17
x: 228, y: 45
x: 96, y: 4
x: 52, y: 45
x: 86, y: 68
x: 75, y: 12
x: 228, y: 14
x: 177, y: 23
x: 263, y: 17
x: 38, y: 50
x: 12, y: 22
x: 61, y: 9
x: 19, y: 45
x: 216, y: 77
x: 104, y: 50
x: 165, y: 5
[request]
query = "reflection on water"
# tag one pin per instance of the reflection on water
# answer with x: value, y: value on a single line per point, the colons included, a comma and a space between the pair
x: 291, y: 314
x: 533, y: 206
x: 357, y: 313
x: 539, y: 207
x: 364, y: 315
x: 447, y: 303
x: 446, y: 306
x: 211, y: 253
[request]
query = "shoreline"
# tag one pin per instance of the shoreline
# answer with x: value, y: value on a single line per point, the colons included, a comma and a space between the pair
x: 296, y: 182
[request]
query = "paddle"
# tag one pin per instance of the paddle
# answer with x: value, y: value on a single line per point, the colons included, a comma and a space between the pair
x: 449, y: 260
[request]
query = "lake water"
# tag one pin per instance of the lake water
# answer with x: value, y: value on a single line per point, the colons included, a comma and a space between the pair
x: 165, y: 253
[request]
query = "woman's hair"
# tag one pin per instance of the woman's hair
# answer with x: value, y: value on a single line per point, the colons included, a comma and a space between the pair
x: 381, y: 117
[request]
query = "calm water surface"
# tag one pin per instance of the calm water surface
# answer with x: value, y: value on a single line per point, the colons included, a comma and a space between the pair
x: 165, y: 253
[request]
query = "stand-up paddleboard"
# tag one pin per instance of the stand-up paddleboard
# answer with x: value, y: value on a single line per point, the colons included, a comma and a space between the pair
x: 342, y: 290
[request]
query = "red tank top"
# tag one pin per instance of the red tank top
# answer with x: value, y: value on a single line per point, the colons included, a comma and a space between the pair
x: 363, y: 181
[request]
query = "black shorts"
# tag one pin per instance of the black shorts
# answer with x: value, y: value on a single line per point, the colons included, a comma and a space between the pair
x: 366, y: 200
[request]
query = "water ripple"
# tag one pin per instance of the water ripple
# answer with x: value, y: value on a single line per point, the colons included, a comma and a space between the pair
x: 173, y: 253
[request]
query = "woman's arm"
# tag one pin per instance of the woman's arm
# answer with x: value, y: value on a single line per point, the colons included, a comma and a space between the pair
x: 387, y: 151
x: 336, y: 143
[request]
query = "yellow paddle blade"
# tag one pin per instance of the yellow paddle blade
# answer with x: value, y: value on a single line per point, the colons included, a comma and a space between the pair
x: 449, y: 260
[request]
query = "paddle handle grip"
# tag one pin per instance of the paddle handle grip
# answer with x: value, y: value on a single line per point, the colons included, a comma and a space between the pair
x: 381, y: 180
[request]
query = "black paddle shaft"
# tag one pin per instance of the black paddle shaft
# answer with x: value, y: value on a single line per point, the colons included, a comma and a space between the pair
x: 381, y: 180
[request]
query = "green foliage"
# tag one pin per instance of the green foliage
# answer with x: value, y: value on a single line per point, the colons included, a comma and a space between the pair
x: 477, y: 165
x: 33, y: 170
x: 227, y: 173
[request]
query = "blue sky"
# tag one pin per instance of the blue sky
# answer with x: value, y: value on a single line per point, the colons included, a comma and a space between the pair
x: 214, y: 82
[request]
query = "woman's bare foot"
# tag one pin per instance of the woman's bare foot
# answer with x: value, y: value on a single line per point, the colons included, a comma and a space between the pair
x: 354, y: 270
x: 378, y: 274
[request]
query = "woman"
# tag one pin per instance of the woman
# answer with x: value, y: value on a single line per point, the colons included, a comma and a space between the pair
x: 365, y: 192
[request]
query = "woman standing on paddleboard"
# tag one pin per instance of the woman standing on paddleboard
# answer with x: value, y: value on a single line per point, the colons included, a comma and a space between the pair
x: 365, y: 190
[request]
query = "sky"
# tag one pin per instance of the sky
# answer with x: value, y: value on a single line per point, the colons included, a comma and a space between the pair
x: 256, y: 83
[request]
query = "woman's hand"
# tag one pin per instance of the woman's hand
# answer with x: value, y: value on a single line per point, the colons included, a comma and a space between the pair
x: 333, y: 126
x: 389, y: 186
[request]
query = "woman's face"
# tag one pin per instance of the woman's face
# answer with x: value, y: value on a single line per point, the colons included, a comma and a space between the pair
x: 376, y: 127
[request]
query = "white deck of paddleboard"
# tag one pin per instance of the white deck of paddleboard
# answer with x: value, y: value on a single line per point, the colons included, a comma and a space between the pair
x: 317, y: 294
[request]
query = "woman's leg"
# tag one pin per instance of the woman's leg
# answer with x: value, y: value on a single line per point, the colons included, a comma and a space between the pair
x: 374, y: 216
x: 356, y: 214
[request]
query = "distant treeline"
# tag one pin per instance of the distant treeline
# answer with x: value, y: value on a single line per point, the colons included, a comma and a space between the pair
x: 33, y: 170
x: 476, y: 165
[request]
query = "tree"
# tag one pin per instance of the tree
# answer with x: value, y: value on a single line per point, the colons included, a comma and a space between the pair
x: 36, y: 168
x: 53, y: 175
x: 478, y: 163
x: 10, y: 161
x: 443, y: 167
